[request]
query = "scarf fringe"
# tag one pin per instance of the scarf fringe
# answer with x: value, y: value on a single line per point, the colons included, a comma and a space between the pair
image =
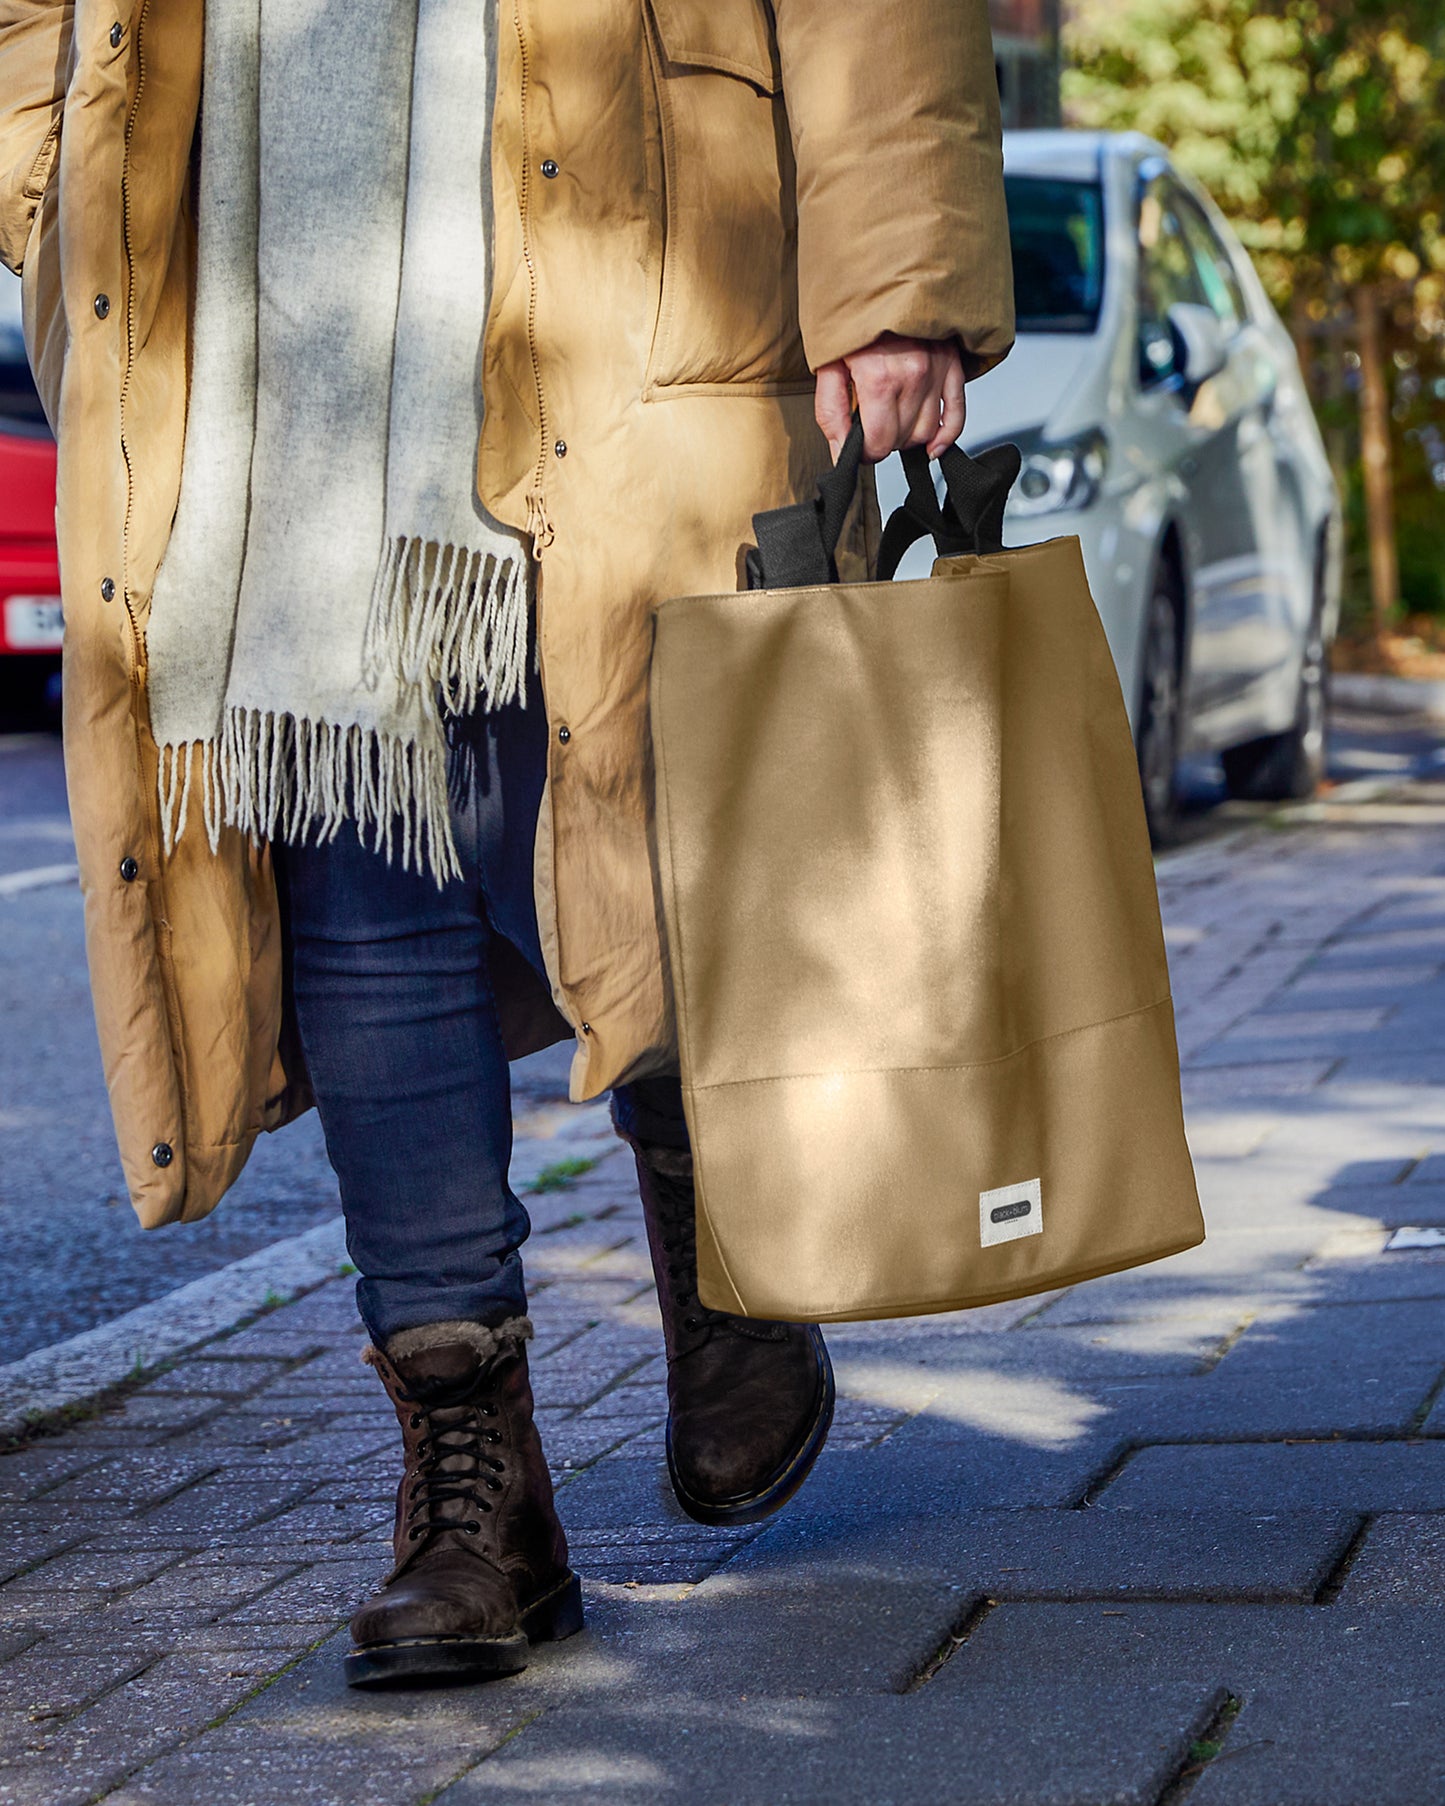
x: 280, y: 777
x: 450, y: 621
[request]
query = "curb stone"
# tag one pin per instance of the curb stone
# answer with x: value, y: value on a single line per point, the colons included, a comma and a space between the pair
x: 1389, y: 695
x: 76, y: 1370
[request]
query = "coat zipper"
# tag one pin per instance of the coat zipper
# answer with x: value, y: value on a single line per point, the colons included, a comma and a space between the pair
x: 538, y: 523
x: 137, y: 643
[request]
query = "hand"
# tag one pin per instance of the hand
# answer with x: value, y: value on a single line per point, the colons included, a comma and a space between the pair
x: 909, y: 392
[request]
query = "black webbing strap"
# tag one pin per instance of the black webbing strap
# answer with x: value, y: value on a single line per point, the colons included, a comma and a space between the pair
x: 971, y: 517
x: 797, y: 546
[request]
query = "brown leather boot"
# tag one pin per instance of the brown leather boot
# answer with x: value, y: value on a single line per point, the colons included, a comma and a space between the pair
x: 481, y: 1562
x: 751, y: 1402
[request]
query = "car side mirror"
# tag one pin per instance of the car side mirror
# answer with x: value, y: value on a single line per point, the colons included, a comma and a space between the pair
x: 1200, y: 350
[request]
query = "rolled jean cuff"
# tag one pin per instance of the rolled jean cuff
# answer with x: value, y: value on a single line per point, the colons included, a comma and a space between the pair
x: 388, y: 1306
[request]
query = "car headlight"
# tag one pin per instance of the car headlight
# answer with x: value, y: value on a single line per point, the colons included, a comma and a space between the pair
x: 1063, y: 474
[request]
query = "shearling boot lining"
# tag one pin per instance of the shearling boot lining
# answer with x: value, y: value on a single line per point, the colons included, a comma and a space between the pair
x: 481, y: 1336
x: 674, y: 1163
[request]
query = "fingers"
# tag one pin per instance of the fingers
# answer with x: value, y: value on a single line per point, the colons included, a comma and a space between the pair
x: 950, y: 428
x: 882, y: 422
x: 908, y: 392
x: 833, y: 404
x: 894, y: 379
x: 923, y: 428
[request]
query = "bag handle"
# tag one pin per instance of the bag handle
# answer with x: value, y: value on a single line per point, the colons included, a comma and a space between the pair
x: 797, y: 545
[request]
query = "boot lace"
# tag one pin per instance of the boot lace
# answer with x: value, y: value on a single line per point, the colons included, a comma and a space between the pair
x: 455, y: 1434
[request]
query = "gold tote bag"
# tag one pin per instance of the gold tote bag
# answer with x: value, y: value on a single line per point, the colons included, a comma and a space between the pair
x: 926, y: 1037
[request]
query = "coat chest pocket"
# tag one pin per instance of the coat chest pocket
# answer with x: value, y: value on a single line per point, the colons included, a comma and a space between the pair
x: 728, y: 299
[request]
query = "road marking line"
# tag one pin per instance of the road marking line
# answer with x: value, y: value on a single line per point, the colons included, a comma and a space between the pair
x: 39, y: 877
x: 38, y: 827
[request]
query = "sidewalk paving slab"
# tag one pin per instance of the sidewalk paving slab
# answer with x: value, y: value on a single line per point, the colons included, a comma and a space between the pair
x: 1340, y: 1706
x: 1358, y: 1475
x: 1048, y: 1544
x: 1075, y: 1745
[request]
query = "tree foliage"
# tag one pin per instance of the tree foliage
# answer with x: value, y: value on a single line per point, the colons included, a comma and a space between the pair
x: 1319, y: 128
x: 1318, y: 125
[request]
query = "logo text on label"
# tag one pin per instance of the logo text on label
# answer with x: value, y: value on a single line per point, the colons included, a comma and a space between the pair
x: 1009, y: 1211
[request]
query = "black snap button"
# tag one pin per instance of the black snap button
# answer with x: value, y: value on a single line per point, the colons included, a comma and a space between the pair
x: 549, y: 168
x: 117, y: 32
x: 107, y: 589
x: 564, y: 734
x: 560, y: 448
x: 102, y: 306
x: 163, y: 1153
x: 129, y: 870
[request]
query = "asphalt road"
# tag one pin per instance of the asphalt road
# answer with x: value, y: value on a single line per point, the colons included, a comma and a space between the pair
x: 73, y: 1254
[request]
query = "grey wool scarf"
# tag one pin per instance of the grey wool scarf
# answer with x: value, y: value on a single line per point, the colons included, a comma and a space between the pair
x: 332, y: 582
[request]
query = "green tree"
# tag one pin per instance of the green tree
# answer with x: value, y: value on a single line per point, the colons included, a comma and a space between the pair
x: 1319, y: 127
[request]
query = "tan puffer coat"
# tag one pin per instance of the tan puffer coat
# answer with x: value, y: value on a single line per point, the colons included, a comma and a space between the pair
x: 696, y: 202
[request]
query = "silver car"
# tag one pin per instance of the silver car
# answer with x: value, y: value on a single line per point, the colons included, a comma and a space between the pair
x: 1159, y: 406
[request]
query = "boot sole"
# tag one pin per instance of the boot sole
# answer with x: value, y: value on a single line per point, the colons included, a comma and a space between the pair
x: 752, y: 1508
x: 443, y: 1661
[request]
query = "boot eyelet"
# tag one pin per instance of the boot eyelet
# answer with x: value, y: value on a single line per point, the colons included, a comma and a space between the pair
x: 693, y: 1323
x: 414, y: 1536
x: 472, y: 1528
x: 494, y: 1486
x: 415, y: 1423
x: 494, y: 1435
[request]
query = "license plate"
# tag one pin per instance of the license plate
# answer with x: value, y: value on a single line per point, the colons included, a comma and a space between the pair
x: 33, y: 623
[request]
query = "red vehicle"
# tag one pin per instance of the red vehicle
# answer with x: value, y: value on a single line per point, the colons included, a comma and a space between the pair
x: 30, y: 622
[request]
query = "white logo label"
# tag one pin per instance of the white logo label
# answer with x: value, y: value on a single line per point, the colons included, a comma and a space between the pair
x: 1010, y: 1211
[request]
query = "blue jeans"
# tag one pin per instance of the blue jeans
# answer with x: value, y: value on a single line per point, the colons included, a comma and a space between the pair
x: 400, y: 1032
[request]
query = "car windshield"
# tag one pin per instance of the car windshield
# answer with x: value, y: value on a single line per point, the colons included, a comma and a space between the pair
x: 1057, y: 232
x: 18, y: 400
x: 1056, y: 228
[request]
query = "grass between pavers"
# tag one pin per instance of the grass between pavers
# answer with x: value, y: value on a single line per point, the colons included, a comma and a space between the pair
x: 190, y: 1736
x: 560, y: 1173
x: 40, y: 1424
x: 968, y: 1622
x: 1206, y: 1748
x: 435, y: 1793
x: 266, y: 1681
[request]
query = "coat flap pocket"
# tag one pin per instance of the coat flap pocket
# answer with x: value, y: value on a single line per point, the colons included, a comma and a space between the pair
x: 732, y: 36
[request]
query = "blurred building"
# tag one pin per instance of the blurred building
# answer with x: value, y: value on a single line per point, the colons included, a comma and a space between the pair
x: 1026, y: 50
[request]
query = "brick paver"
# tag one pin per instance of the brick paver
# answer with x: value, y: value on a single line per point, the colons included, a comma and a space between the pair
x: 1060, y: 1551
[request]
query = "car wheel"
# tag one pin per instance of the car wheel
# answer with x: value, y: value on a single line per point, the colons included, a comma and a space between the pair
x: 1288, y: 767
x: 1160, y: 703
